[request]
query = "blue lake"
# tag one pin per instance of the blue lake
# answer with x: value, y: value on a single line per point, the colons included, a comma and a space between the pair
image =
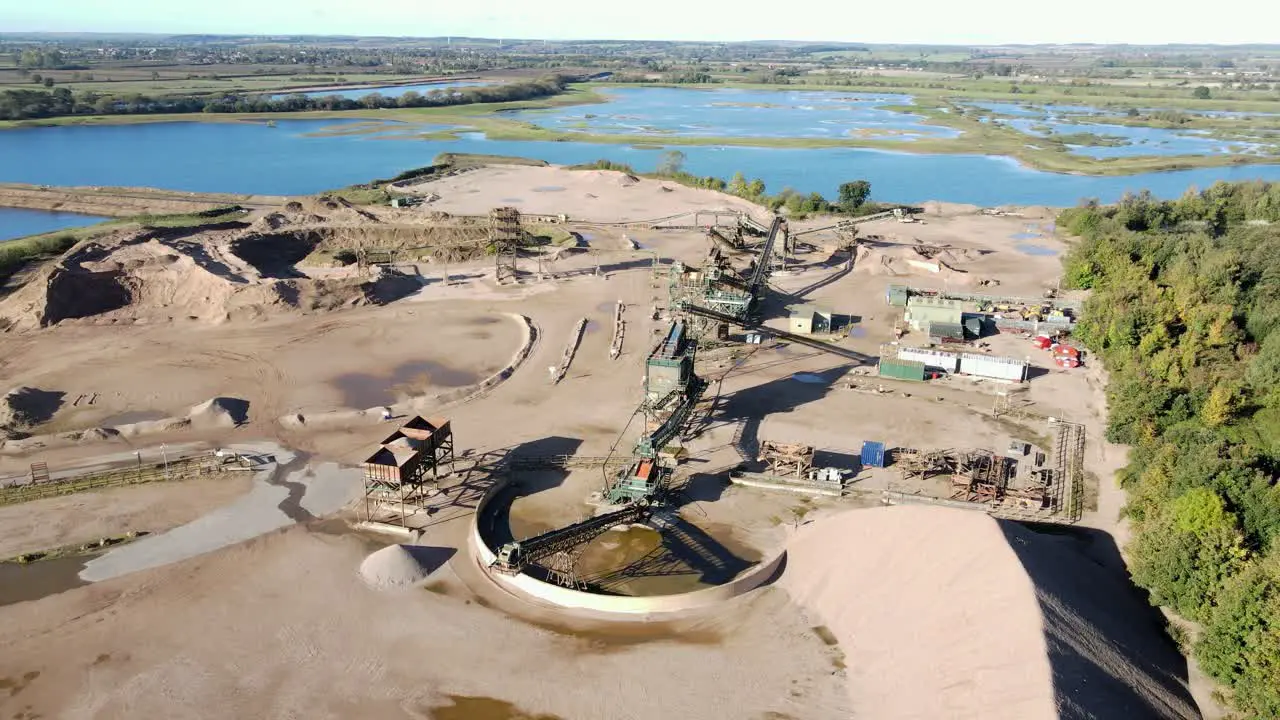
x: 391, y: 91
x: 250, y: 157
x: 728, y: 112
x: 20, y: 222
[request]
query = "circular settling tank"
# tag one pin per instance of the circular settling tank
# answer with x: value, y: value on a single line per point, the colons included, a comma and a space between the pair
x: 665, y: 555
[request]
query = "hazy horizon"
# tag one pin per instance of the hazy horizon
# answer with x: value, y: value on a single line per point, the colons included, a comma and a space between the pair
x: 931, y: 22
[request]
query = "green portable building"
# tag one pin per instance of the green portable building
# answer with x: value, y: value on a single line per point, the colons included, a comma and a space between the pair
x: 902, y: 369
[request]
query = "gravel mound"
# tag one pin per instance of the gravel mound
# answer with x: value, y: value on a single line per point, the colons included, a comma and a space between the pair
x: 951, y: 613
x: 393, y: 566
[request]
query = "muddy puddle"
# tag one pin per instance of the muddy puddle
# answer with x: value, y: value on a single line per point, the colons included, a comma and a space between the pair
x: 467, y: 707
x: 130, y: 417
x: 1027, y: 248
x: 21, y: 582
x: 810, y: 378
x: 364, y: 390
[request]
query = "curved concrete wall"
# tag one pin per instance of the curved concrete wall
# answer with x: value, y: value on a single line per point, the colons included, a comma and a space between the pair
x: 524, y: 585
x: 529, y: 339
x: 429, y: 403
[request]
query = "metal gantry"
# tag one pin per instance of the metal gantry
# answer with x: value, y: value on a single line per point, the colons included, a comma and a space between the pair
x: 506, y: 237
x: 406, y: 465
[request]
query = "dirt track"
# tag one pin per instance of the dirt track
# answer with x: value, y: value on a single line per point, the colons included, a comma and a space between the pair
x: 125, y: 202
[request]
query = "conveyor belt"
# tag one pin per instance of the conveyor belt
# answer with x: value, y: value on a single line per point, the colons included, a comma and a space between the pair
x: 766, y: 253
x: 783, y: 334
x: 513, y: 556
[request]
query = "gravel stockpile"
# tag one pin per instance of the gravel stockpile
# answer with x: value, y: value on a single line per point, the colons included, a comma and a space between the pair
x: 394, y: 566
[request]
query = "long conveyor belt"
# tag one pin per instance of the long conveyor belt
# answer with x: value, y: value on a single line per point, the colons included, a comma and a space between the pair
x: 766, y: 254
x: 513, y: 556
x: 788, y: 336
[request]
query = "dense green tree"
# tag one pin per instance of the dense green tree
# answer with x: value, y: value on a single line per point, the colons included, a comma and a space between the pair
x: 671, y: 162
x: 1185, y: 555
x: 1185, y: 313
x: 1241, y: 640
x: 853, y: 195
x: 1200, y: 93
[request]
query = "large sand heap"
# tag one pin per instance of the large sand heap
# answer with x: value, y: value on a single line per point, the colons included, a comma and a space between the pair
x: 399, y: 565
x: 947, y: 613
x: 212, y: 273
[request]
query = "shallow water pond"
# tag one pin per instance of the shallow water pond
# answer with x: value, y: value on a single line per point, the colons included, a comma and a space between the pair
x: 21, y: 222
x: 727, y: 112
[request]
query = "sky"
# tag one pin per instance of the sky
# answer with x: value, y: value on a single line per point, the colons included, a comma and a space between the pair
x: 973, y: 22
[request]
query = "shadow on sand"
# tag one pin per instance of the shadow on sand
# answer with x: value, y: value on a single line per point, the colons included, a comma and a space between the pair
x: 1110, y: 655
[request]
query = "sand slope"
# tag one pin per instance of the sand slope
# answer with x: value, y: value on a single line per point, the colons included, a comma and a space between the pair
x: 951, y: 614
x: 214, y: 274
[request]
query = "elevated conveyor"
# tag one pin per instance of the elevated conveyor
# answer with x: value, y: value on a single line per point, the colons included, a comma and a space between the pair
x: 765, y: 259
x: 851, y: 223
x: 514, y: 556
x: 783, y: 334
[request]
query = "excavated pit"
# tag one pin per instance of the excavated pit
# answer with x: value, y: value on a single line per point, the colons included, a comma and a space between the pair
x: 276, y: 255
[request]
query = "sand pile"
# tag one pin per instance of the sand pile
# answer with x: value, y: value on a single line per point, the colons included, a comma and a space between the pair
x: 24, y: 407
x: 397, y: 566
x: 219, y: 412
x: 950, y: 613
x: 214, y: 275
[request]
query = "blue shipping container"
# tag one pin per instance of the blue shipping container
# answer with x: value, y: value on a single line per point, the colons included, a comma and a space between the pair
x: 873, y: 454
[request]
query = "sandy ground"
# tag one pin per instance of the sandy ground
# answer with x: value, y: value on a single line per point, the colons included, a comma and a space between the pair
x: 274, y: 640
x: 940, y: 610
x: 305, y: 636
x: 591, y: 195
x: 54, y: 522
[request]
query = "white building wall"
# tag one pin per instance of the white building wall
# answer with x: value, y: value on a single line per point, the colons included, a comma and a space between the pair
x: 931, y: 358
x: 999, y: 368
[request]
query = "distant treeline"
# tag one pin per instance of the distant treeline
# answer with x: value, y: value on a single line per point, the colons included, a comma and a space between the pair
x: 853, y: 197
x: 34, y: 104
